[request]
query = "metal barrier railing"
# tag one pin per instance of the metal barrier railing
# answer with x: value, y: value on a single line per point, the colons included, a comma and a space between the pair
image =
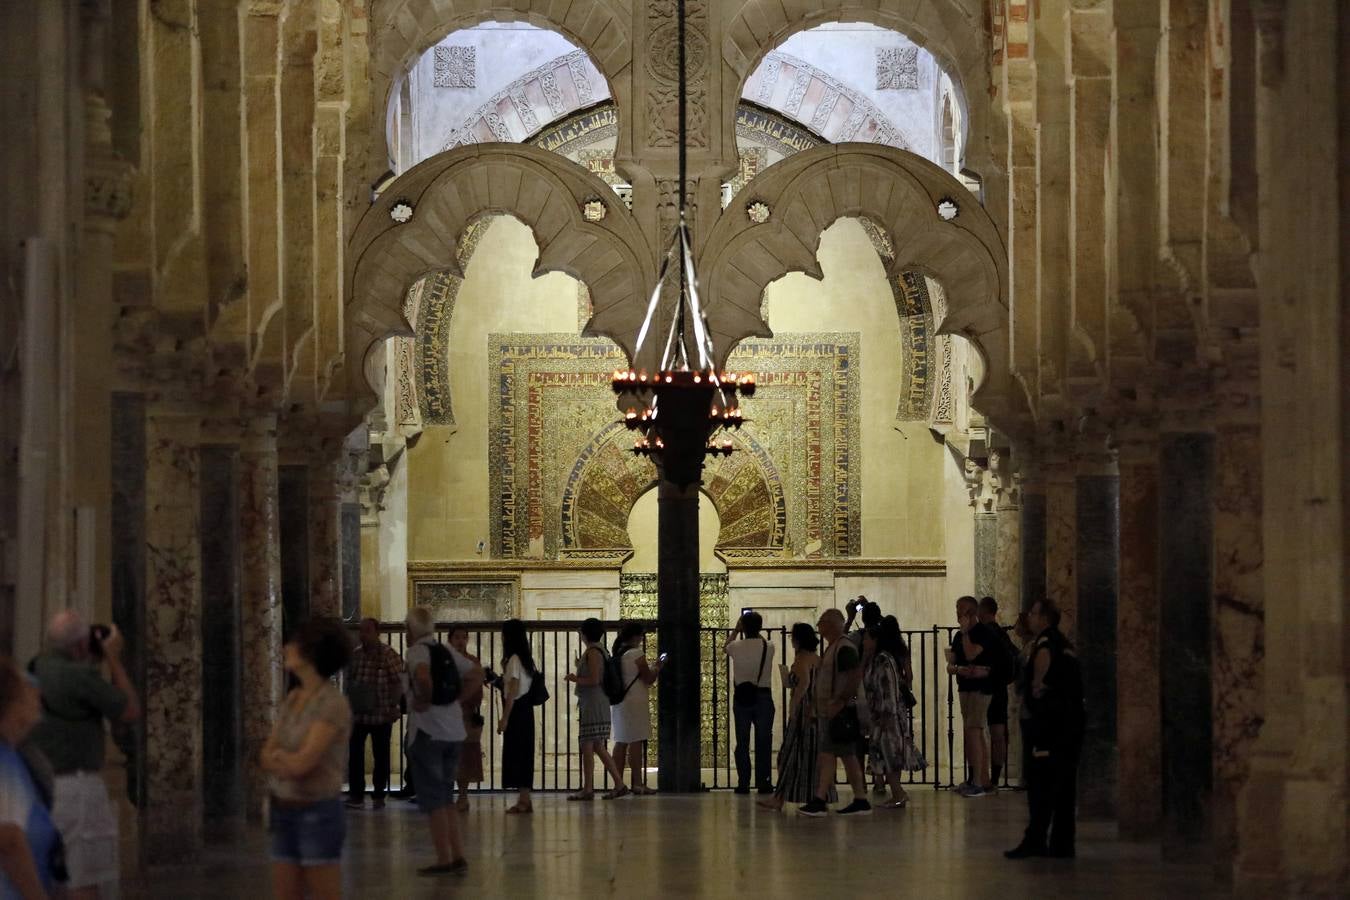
x: 557, y: 644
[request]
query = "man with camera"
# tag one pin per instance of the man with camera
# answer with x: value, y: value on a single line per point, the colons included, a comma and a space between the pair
x: 751, y: 657
x: 76, y: 699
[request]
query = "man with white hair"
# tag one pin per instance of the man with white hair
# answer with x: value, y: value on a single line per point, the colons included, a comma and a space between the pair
x: 441, y: 684
x: 76, y: 698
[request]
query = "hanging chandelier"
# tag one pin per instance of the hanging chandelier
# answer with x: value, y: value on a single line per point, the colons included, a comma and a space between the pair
x: 685, y: 409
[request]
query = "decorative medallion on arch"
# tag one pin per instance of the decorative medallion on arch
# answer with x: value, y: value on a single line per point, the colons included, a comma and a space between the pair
x: 608, y: 479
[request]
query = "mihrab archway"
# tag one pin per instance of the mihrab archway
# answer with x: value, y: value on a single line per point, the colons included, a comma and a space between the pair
x: 799, y: 197
x: 580, y: 226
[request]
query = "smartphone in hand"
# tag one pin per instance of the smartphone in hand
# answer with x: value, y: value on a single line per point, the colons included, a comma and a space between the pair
x: 662, y: 657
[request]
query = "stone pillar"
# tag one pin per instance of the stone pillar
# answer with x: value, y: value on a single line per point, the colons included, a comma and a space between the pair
x: 260, y: 593
x: 107, y: 200
x: 171, y: 816
x: 326, y: 552
x: 1096, y: 569
x: 1185, y: 573
x: 1238, y: 628
x: 680, y: 699
x: 986, y: 548
x: 222, y: 730
x: 1138, y: 809
x: 1032, y: 526
x: 1061, y: 538
x: 1007, y: 535
x: 294, y: 514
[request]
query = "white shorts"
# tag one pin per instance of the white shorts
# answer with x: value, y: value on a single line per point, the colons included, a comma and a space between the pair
x: 87, y: 821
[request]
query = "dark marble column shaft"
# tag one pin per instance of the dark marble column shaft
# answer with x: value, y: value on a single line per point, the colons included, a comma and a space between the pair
x: 1139, y: 804
x: 1186, y: 575
x: 171, y: 816
x: 986, y: 552
x: 222, y: 725
x: 1033, y: 544
x: 293, y: 512
x: 679, y: 700
x: 1097, y: 564
x: 128, y: 558
x: 350, y: 560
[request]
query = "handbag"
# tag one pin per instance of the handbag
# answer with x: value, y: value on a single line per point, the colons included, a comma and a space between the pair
x: 746, y: 692
x: 537, y: 695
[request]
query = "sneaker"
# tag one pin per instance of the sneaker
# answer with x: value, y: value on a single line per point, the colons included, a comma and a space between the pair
x: 765, y: 789
x: 454, y: 867
x: 354, y: 803
x: 858, y: 807
x: 971, y: 790
x: 814, y: 808
x: 741, y: 790
x: 1023, y: 851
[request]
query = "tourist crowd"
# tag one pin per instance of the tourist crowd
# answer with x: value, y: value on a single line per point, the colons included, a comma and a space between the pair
x: 850, y: 696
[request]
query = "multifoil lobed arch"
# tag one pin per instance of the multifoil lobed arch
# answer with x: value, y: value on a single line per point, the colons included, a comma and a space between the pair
x: 447, y: 192
x: 900, y: 192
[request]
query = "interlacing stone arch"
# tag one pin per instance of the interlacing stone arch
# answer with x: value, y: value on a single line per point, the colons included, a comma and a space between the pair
x: 402, y: 30
x: 449, y: 191
x: 954, y: 31
x: 898, y: 191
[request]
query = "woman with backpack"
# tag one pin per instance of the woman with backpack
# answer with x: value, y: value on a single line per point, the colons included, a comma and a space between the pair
x: 517, y: 722
x: 593, y: 712
x: 632, y: 714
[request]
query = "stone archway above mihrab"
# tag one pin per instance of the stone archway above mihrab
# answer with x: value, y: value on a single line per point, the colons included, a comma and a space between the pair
x: 775, y: 223
x: 414, y: 229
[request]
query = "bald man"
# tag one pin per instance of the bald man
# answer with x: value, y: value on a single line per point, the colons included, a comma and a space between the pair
x: 76, y: 699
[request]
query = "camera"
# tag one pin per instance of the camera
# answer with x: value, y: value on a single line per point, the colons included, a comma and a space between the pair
x: 491, y: 678
x: 97, y: 635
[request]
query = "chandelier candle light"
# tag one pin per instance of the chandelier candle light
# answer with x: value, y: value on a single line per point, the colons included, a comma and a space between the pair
x: 686, y: 409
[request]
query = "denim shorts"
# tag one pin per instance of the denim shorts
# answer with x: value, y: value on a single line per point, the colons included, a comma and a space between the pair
x: 434, y: 765
x: 310, y: 835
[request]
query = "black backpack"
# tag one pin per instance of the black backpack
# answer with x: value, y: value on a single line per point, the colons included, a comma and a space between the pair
x: 1005, y: 671
x: 611, y: 679
x: 445, y: 683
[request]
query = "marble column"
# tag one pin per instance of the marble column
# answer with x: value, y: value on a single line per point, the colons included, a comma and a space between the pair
x: 171, y: 815
x: 1096, y: 569
x: 679, y: 700
x: 1238, y: 628
x: 1007, y: 536
x: 1032, y: 526
x: 222, y: 728
x: 1185, y: 573
x: 294, y: 513
x: 260, y: 597
x: 986, y: 550
x: 1061, y: 538
x: 1139, y: 807
x: 325, y: 539
x: 349, y: 560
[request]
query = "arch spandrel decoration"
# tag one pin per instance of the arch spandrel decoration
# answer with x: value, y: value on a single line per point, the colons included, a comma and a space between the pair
x: 451, y: 190
x: 402, y: 30
x: 897, y: 190
x: 953, y: 31
x: 608, y: 479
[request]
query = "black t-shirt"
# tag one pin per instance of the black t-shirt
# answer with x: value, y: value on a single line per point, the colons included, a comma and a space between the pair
x: 988, y: 643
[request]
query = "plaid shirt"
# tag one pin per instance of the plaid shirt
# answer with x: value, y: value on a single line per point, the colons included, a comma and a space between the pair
x: 375, y: 675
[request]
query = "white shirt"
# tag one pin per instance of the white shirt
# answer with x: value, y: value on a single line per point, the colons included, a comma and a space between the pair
x: 745, y: 656
x: 441, y: 723
x: 524, y: 680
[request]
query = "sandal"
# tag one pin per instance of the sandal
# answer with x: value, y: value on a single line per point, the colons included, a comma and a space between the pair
x: 895, y: 804
x: 519, y: 810
x: 642, y: 790
x: 773, y: 804
x: 582, y: 795
x: 620, y: 791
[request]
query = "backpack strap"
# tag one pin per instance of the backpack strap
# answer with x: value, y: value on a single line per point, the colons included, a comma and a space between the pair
x: 763, y: 655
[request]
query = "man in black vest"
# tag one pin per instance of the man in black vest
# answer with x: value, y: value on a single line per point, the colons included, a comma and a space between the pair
x: 1054, y: 689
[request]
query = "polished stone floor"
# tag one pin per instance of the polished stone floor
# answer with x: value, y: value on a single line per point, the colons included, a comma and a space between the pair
x: 716, y: 845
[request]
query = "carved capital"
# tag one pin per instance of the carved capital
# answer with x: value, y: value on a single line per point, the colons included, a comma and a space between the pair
x: 107, y: 188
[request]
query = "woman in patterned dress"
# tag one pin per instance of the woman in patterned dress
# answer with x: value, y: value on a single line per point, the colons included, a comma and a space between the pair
x: 797, y: 758
x: 593, y: 713
x: 886, y: 675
